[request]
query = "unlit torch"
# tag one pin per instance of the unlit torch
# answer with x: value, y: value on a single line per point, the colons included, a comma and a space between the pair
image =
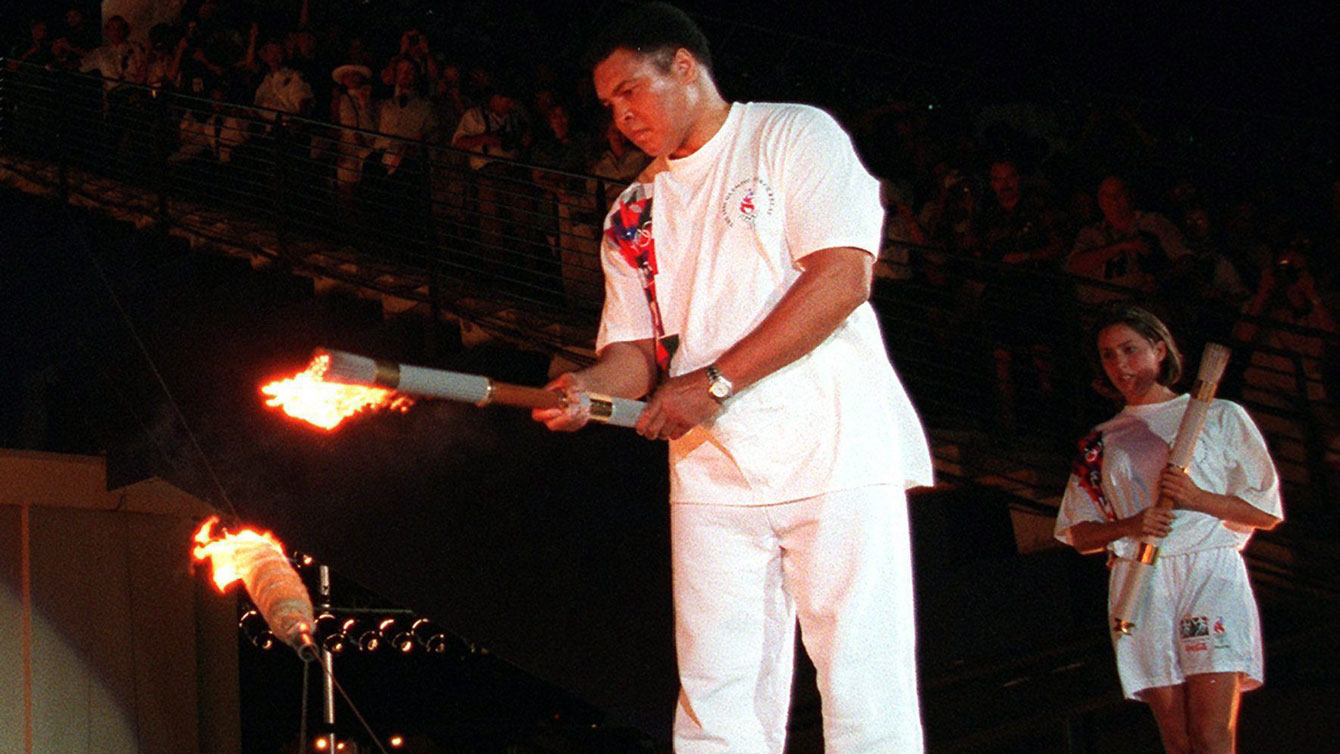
x: 1212, y: 363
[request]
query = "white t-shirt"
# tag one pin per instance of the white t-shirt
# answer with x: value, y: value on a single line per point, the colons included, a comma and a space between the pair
x: 119, y: 62
x: 283, y: 89
x: 1126, y: 269
x: 481, y: 120
x: 775, y: 183
x: 1118, y: 474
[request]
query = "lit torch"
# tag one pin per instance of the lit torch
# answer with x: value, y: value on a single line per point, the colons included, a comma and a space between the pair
x: 1212, y: 363
x: 338, y: 384
x: 258, y: 560
x: 308, y: 396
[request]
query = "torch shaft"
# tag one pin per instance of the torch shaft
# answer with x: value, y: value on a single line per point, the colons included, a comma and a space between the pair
x: 1213, y: 361
x: 521, y: 396
x: 440, y: 383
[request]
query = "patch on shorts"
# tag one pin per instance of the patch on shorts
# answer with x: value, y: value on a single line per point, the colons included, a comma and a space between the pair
x: 1199, y: 634
x: 1219, y: 634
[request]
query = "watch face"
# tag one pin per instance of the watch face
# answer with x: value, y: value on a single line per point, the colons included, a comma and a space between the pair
x: 719, y: 390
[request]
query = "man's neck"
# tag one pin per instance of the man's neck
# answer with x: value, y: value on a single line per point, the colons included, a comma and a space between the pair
x: 715, y: 111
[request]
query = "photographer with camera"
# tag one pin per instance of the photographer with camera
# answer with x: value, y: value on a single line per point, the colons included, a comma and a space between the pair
x: 414, y: 48
x: 1292, y: 336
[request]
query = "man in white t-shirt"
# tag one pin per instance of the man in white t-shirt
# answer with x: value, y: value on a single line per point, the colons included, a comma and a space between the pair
x: 1129, y: 248
x: 737, y: 273
x: 283, y: 88
x: 121, y: 59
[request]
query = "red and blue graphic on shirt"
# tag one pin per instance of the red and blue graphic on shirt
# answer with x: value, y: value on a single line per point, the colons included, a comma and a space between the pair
x: 1088, y: 469
x: 629, y: 231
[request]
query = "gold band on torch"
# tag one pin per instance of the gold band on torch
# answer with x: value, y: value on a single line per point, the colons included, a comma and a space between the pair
x: 1212, y: 364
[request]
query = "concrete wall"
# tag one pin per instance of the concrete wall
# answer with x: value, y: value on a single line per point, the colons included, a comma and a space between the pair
x: 109, y: 643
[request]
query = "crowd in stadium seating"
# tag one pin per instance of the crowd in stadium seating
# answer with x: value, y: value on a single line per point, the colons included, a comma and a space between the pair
x: 987, y: 206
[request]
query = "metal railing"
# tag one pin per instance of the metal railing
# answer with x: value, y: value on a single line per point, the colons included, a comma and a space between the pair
x: 991, y: 353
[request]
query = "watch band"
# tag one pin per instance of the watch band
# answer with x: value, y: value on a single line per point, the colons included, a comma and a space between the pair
x: 718, y: 386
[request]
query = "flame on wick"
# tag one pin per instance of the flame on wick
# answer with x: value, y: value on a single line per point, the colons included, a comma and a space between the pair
x: 227, y: 551
x: 307, y: 396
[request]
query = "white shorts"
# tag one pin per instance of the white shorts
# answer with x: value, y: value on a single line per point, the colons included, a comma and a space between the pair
x: 1198, y: 615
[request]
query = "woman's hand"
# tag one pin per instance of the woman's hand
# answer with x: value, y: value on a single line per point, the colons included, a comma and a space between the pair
x: 1176, y: 485
x: 1151, y: 522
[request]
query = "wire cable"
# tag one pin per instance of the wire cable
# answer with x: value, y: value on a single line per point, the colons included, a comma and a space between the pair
x: 81, y: 240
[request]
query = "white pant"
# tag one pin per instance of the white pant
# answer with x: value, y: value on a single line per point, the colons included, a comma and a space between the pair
x: 842, y: 563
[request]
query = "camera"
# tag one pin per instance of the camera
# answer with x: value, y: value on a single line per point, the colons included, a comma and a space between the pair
x: 1288, y: 269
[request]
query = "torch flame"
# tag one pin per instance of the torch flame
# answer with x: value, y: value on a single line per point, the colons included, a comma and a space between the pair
x: 223, y: 548
x: 308, y: 397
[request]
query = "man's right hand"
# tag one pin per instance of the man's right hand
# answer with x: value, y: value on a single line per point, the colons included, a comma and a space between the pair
x: 577, y: 411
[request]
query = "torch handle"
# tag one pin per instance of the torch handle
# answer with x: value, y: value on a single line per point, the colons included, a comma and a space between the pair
x: 620, y: 412
x: 457, y: 386
x: 1128, y: 597
x: 522, y: 396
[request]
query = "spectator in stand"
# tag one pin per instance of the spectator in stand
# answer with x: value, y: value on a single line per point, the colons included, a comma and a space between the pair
x: 36, y: 49
x: 27, y: 124
x: 120, y: 60
x: 579, y: 214
x: 566, y: 199
x: 1114, y: 131
x: 357, y: 53
x: 449, y: 98
x: 406, y: 115
x: 1288, y: 368
x: 496, y: 129
x: 282, y: 88
x: 1020, y: 306
x: 1129, y: 248
x: 212, y: 134
x: 300, y: 52
x: 414, y: 48
x: 1244, y: 240
x: 951, y: 219
x: 207, y: 51
x: 164, y: 65
x: 558, y: 146
x: 78, y: 38
x: 395, y: 185
x: 620, y: 161
x: 952, y: 223
x: 1211, y: 275
x: 353, y: 109
x: 902, y: 233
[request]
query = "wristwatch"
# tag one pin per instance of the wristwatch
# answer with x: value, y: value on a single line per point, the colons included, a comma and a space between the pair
x: 718, y: 386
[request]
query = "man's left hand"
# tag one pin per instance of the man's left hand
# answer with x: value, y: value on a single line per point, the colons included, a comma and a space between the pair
x: 678, y: 405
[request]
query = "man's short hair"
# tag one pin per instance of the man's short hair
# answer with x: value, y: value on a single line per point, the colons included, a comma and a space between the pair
x: 653, y: 30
